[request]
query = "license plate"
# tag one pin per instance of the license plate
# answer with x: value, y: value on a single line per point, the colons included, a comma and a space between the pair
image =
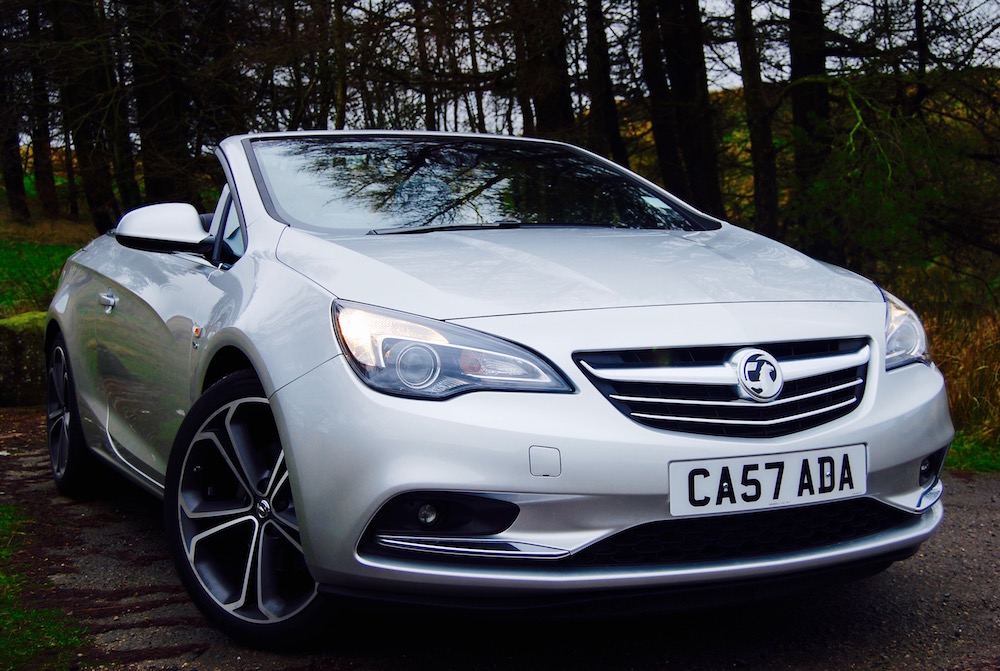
x: 736, y: 484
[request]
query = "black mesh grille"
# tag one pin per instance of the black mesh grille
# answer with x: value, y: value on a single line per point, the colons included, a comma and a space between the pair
x: 749, y: 535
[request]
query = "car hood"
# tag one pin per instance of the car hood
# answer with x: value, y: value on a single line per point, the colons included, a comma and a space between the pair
x: 460, y: 274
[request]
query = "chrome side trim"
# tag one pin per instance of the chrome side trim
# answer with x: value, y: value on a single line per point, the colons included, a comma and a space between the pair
x: 472, y: 547
x: 124, y: 459
x: 931, y: 496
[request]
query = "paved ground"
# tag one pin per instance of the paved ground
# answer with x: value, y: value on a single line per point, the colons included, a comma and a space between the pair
x: 107, y: 563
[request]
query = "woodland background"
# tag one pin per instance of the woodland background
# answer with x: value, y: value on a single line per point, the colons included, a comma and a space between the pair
x: 864, y: 132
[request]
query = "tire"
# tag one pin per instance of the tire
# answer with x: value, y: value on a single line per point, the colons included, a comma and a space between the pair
x: 231, y: 523
x: 72, y: 462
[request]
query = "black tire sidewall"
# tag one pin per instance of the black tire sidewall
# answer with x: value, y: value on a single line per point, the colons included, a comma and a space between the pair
x: 79, y: 461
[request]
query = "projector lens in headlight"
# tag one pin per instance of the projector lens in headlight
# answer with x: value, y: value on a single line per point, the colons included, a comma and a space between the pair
x: 417, y: 366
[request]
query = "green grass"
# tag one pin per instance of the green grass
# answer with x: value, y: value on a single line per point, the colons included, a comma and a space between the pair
x: 29, y: 638
x: 967, y: 454
x: 29, y: 273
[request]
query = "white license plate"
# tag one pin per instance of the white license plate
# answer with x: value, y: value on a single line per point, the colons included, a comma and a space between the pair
x: 713, y: 486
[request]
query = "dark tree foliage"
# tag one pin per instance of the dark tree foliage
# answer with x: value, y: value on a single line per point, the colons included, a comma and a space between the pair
x: 865, y: 132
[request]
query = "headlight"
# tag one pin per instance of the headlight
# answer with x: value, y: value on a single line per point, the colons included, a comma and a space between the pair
x: 411, y: 356
x: 905, y: 339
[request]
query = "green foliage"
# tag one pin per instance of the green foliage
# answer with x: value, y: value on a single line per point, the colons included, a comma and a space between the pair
x: 29, y: 638
x: 969, y: 455
x: 908, y: 180
x: 29, y: 274
x: 967, y: 348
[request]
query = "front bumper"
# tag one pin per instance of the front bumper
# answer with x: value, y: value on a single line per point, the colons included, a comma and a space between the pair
x: 351, y: 450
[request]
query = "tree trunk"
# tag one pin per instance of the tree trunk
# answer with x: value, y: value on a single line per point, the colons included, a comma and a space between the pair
x: 11, y: 105
x: 161, y: 100
x: 71, y: 197
x: 810, y: 98
x: 119, y: 130
x: 811, y: 135
x: 759, y: 113
x: 10, y: 157
x: 923, y: 57
x: 86, y: 102
x: 546, y: 72
x: 661, y: 105
x: 425, y: 80
x: 470, y: 20
x: 682, y: 34
x: 340, y: 65
x: 41, y: 132
x: 605, y: 133
x: 522, y: 87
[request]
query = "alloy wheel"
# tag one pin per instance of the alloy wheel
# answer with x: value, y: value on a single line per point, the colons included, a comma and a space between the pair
x: 237, y: 518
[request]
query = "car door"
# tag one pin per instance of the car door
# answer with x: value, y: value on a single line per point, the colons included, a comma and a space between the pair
x: 144, y: 346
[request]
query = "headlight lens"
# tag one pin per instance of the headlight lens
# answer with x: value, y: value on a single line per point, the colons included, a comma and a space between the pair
x: 411, y: 356
x: 905, y: 339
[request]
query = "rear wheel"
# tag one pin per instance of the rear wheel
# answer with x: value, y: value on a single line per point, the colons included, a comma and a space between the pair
x: 231, y: 520
x: 71, y: 459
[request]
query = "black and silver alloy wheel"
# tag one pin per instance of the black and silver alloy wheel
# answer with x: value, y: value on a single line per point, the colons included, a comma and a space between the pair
x: 231, y: 518
x: 67, y: 449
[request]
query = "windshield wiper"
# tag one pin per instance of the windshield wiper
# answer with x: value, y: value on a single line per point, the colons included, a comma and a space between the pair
x: 447, y: 227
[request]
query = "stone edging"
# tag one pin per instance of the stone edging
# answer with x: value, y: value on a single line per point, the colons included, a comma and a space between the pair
x: 22, y: 360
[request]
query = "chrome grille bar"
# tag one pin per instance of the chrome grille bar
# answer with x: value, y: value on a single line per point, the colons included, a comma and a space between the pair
x: 744, y: 422
x: 696, y: 390
x: 738, y: 403
x: 724, y: 374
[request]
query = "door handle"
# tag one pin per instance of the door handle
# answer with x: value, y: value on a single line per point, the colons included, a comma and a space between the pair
x: 108, y: 300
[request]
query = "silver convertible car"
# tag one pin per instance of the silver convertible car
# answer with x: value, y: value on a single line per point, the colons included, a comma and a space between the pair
x: 463, y: 368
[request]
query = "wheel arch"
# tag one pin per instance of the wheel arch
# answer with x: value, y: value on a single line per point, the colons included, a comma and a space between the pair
x: 52, y: 329
x: 230, y: 359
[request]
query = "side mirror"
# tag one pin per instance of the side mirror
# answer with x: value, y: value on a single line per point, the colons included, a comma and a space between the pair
x: 168, y: 227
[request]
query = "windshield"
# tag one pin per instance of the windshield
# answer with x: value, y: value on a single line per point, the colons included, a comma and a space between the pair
x: 392, y: 183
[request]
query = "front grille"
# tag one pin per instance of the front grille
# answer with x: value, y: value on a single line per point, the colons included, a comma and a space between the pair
x: 695, y: 390
x: 732, y: 537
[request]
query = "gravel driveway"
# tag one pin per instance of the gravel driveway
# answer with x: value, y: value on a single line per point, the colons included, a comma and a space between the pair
x: 107, y: 562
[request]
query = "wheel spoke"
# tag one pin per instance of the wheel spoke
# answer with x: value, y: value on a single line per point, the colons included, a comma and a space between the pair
x: 279, y: 474
x: 284, y: 584
x: 223, y: 557
x: 212, y: 485
x: 253, y: 439
x: 231, y: 445
x: 59, y: 443
x: 212, y: 531
x: 284, y: 507
x: 58, y: 379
